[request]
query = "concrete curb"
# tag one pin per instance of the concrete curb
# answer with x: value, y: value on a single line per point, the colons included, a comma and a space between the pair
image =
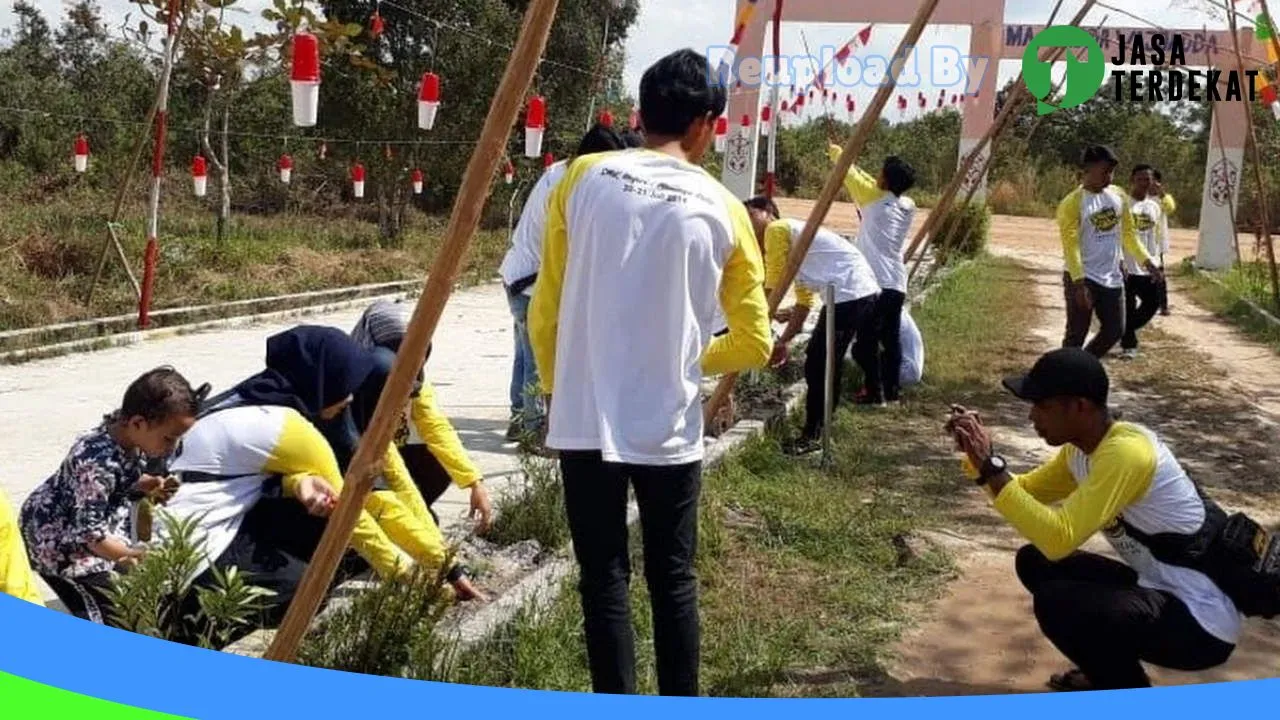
x: 1198, y: 272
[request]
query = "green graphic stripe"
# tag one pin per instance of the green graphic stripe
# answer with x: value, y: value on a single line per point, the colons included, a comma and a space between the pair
x: 21, y: 699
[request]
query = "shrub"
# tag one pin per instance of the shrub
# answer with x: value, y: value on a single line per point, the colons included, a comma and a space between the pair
x: 963, y: 232
x: 535, y: 511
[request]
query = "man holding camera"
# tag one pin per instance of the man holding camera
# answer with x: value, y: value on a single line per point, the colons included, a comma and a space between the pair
x: 1107, y: 617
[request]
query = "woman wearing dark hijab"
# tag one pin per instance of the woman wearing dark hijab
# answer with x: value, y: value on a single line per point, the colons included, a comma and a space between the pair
x: 264, y: 429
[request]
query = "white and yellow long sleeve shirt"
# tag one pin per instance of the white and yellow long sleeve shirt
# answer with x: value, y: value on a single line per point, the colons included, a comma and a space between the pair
x: 641, y: 248
x: 1169, y: 206
x: 1149, y: 224
x: 831, y: 260
x: 237, y: 450
x: 431, y: 427
x: 1094, y: 227
x: 16, y: 578
x: 1131, y: 474
x: 885, y: 221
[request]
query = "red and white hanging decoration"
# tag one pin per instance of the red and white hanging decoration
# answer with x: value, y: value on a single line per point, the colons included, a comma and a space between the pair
x: 285, y: 166
x: 766, y: 120
x: 535, y: 123
x: 199, y: 175
x: 722, y: 133
x: 548, y: 160
x: 509, y: 173
x: 428, y: 100
x: 357, y: 180
x: 606, y: 118
x: 634, y: 121
x: 416, y: 178
x: 376, y: 26
x: 305, y: 79
x: 82, y: 153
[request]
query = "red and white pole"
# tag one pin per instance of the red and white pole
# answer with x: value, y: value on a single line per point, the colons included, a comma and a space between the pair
x: 157, y: 169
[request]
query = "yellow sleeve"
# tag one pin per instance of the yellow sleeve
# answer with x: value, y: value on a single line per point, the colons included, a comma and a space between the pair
x: 777, y: 248
x: 1048, y: 483
x: 862, y: 187
x: 544, y: 308
x: 1069, y: 229
x: 401, y: 484
x: 1129, y: 233
x: 300, y: 451
x: 438, y: 433
x: 1120, y: 473
x: 16, y: 578
x: 1168, y: 204
x: 749, y: 341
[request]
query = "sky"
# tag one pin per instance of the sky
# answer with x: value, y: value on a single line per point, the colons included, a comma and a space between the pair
x: 667, y: 25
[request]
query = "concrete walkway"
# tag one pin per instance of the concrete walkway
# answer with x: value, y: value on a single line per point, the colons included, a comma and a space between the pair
x: 45, y: 404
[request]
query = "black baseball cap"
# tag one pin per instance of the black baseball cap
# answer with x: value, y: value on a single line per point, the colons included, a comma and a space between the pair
x: 1099, y: 153
x: 1065, y: 372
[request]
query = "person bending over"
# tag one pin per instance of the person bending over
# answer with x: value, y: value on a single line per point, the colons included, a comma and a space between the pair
x: 641, y: 247
x: 885, y: 215
x: 1106, y: 616
x: 831, y: 260
x: 1095, y: 221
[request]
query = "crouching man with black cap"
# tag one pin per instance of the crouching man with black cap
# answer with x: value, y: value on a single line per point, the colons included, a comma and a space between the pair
x: 1106, y: 616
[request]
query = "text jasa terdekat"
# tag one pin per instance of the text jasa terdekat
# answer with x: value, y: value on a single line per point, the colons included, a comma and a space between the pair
x: 1155, y: 71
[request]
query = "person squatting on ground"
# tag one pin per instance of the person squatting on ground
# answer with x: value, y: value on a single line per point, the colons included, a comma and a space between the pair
x: 519, y: 272
x: 641, y: 247
x: 257, y: 463
x: 427, y: 442
x: 1142, y: 290
x: 1094, y: 222
x: 831, y: 260
x: 1159, y: 605
x: 78, y: 525
x: 885, y: 218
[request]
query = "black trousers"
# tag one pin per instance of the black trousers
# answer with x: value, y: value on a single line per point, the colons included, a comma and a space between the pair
x: 853, y: 319
x: 1108, y: 306
x: 879, y: 352
x: 1142, y: 297
x: 595, y: 494
x: 1093, y: 610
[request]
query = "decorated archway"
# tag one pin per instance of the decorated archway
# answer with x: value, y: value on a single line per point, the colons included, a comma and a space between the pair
x: 990, y: 37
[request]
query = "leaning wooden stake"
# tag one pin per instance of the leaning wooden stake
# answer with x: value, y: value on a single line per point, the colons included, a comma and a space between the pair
x: 862, y: 131
x: 506, y: 104
x: 1020, y: 94
x: 1257, y: 168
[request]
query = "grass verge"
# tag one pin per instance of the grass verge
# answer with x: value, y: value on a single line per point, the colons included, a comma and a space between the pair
x: 808, y: 574
x: 1230, y: 300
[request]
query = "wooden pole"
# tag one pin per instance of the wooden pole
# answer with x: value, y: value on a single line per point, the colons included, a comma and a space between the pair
x: 503, y: 110
x: 1257, y: 168
x: 1020, y: 94
x: 862, y: 131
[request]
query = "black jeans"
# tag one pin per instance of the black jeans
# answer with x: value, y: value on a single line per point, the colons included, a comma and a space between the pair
x: 1093, y: 610
x: 1142, y: 297
x: 1108, y: 305
x: 879, y: 352
x: 595, y: 494
x: 853, y: 318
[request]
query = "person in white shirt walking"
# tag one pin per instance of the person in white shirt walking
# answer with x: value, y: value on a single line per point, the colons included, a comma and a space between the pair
x: 641, y: 247
x: 1142, y: 291
x: 519, y: 271
x: 1094, y: 221
x: 1169, y: 206
x: 831, y: 260
x: 885, y: 218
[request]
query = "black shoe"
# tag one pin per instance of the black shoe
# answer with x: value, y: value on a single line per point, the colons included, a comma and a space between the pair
x: 803, y: 446
x: 515, y: 430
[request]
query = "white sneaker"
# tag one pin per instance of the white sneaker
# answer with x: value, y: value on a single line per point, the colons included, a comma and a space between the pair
x: 1129, y: 353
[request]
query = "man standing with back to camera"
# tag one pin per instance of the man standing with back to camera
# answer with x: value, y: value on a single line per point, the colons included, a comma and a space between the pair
x: 642, y: 249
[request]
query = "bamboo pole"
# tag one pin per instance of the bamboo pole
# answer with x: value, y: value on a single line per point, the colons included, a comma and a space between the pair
x: 1257, y: 168
x: 503, y: 110
x: 835, y: 181
x: 1002, y: 119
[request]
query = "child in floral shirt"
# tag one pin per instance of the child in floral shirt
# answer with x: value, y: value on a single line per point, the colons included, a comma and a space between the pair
x: 77, y: 524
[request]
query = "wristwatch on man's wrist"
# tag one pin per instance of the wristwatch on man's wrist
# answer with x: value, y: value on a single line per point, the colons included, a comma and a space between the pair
x: 994, y: 465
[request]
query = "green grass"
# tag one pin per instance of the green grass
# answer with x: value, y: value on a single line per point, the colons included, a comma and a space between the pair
x: 1247, y: 282
x: 802, y: 570
x: 535, y: 511
x: 49, y: 253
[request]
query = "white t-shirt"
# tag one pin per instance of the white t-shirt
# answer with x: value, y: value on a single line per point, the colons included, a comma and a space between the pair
x: 1149, y: 223
x: 912, y: 351
x: 831, y: 260
x: 525, y: 254
x: 649, y: 240
x: 1098, y: 219
x: 882, y: 238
